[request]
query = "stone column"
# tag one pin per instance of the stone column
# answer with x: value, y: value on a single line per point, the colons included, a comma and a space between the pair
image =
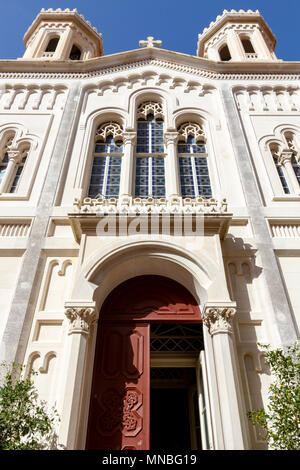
x: 129, y: 139
x: 285, y: 160
x: 81, y: 318
x: 217, y: 318
x: 172, y: 165
x: 13, y: 160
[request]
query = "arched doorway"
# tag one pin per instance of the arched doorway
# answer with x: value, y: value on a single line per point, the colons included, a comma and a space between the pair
x: 146, y: 323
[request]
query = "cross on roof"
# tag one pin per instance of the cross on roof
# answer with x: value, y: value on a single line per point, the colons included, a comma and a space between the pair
x: 150, y: 42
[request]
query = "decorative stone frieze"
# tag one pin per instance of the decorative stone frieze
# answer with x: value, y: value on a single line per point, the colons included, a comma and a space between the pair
x: 218, y: 319
x: 81, y: 319
x: 129, y: 205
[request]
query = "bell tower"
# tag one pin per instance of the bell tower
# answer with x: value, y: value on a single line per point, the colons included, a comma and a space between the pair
x: 62, y: 35
x: 237, y: 36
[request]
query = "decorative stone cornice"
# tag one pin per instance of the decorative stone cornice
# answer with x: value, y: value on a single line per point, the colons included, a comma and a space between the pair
x: 218, y: 318
x: 103, y: 66
x: 81, y: 318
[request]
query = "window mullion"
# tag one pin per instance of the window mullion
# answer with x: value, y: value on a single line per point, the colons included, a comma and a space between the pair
x: 150, y: 182
x: 194, y: 173
x: 105, y: 176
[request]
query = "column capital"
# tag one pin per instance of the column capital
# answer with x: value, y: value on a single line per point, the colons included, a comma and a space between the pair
x: 81, y: 318
x: 14, y: 155
x: 170, y: 136
x: 217, y: 317
x: 285, y: 156
x: 129, y: 136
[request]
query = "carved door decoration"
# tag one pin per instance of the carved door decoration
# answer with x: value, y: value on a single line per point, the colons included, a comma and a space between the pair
x: 119, y: 412
x: 120, y: 398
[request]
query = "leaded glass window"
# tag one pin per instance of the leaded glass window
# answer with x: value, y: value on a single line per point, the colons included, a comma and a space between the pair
x: 275, y: 151
x: 150, y: 177
x: 106, y: 169
x: 18, y: 173
x: 290, y: 138
x: 193, y: 167
x: 150, y: 162
x: 281, y: 175
x: 296, y: 168
x: 4, y: 157
x: 3, y: 166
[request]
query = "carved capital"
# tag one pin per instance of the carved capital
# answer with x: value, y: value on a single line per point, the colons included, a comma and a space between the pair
x: 170, y: 137
x: 285, y: 156
x: 81, y: 319
x: 14, y: 155
x: 129, y: 137
x: 218, y: 319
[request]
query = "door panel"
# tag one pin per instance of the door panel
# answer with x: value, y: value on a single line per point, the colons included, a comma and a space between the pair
x: 119, y: 410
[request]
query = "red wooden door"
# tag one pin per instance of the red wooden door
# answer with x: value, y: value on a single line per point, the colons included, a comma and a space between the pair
x: 120, y: 397
x: 119, y: 410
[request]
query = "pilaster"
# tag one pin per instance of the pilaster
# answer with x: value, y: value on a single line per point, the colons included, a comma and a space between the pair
x: 82, y: 317
x: 172, y: 167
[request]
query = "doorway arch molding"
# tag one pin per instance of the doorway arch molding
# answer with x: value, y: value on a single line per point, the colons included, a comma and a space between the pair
x: 106, y: 268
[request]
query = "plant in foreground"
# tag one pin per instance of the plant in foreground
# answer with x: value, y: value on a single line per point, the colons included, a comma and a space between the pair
x: 281, y: 421
x: 25, y: 421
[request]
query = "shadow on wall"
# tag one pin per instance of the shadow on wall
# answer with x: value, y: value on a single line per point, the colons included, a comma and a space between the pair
x: 243, y: 277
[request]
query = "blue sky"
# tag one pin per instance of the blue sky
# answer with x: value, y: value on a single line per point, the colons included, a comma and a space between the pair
x: 176, y: 22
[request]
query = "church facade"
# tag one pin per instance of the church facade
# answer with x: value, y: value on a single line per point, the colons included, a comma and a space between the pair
x: 149, y: 230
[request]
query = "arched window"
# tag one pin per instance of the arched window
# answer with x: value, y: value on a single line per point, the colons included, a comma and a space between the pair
x: 247, y: 45
x: 295, y: 160
x: 150, y: 162
x: 275, y: 151
x: 224, y: 53
x: 52, y: 44
x: 106, y: 169
x: 18, y: 171
x: 12, y: 162
x: 75, y: 53
x: 4, y: 158
x: 191, y: 150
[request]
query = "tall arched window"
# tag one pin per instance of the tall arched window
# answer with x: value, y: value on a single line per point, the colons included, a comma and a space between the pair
x: 224, y: 53
x: 150, y: 161
x: 18, y: 170
x: 295, y: 158
x: 4, y: 158
x: 276, y: 154
x: 12, y: 162
x: 106, y: 169
x: 75, y: 53
x: 191, y: 150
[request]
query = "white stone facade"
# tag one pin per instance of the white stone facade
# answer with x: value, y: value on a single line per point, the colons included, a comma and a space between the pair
x: 243, y: 270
